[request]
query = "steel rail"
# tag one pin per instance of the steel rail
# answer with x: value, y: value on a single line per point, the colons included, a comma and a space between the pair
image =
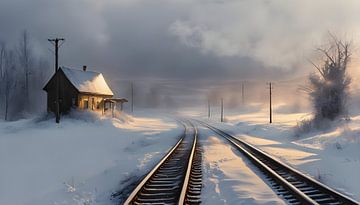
x: 165, y: 165
x: 151, y: 173
x: 188, y: 171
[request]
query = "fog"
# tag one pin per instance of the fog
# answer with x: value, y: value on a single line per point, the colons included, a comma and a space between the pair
x: 180, y: 53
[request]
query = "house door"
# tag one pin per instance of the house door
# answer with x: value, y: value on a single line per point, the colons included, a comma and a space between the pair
x: 86, y: 104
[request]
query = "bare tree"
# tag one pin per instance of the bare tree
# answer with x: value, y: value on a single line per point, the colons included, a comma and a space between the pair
x: 2, y: 62
x: 21, y: 74
x: 40, y: 73
x: 9, y: 82
x: 329, y: 88
x: 2, y: 59
x: 24, y: 53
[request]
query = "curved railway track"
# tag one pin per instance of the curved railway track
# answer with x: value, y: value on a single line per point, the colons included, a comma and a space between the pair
x: 289, y: 183
x: 176, y: 179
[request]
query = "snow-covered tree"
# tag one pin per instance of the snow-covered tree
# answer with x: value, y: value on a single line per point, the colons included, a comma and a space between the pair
x: 330, y: 85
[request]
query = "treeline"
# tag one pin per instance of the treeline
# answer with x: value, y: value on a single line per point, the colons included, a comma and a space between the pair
x: 22, y: 77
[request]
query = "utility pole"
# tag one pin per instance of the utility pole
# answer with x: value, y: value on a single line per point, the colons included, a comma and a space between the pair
x: 270, y: 98
x: 242, y: 94
x: 55, y: 42
x: 222, y: 110
x: 209, y: 108
x: 132, y: 97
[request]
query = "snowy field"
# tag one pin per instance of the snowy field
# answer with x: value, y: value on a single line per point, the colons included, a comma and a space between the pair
x: 85, y: 159
x: 331, y: 156
x: 80, y: 161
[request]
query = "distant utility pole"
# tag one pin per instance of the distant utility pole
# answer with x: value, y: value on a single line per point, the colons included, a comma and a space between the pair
x: 209, y: 108
x: 222, y: 110
x: 55, y: 42
x: 270, y: 99
x: 242, y: 93
x: 132, y: 97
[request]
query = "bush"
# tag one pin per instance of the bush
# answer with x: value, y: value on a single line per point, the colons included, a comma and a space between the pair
x: 329, y: 88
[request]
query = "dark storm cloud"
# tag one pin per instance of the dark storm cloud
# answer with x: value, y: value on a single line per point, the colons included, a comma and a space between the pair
x: 126, y: 38
x: 186, y: 46
x: 181, y: 51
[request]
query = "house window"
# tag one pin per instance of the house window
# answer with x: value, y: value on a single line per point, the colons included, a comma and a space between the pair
x: 86, y: 104
x: 98, y: 105
x: 73, y: 101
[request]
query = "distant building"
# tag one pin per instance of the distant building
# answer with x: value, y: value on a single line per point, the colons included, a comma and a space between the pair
x: 80, y: 89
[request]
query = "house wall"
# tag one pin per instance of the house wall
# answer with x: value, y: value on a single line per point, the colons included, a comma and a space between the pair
x: 68, y: 95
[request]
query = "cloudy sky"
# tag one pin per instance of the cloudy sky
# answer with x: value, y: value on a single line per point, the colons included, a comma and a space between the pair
x: 205, y: 41
x: 186, y: 39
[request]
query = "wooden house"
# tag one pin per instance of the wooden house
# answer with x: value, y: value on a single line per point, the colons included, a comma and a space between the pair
x: 80, y: 89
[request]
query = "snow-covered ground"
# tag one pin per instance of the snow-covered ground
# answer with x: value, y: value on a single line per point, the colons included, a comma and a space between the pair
x: 80, y: 161
x: 331, y: 156
x: 85, y: 159
x: 229, y: 178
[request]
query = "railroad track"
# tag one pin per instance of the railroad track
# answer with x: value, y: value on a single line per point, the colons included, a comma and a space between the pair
x: 176, y: 179
x: 292, y: 185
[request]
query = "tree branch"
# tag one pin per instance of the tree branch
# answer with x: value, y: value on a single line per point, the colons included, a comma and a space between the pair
x: 318, y: 68
x: 327, y: 54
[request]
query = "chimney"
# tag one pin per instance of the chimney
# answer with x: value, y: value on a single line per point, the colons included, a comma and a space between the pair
x: 84, y: 67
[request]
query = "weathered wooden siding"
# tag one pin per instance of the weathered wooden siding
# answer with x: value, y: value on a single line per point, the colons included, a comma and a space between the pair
x: 67, y: 94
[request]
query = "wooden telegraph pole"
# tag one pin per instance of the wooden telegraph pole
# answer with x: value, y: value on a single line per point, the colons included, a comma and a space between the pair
x: 209, y: 108
x: 242, y: 93
x: 222, y: 110
x: 132, y: 97
x: 55, y: 42
x: 270, y: 98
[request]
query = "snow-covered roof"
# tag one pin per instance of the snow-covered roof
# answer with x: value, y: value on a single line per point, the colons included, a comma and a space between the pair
x: 87, y: 81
